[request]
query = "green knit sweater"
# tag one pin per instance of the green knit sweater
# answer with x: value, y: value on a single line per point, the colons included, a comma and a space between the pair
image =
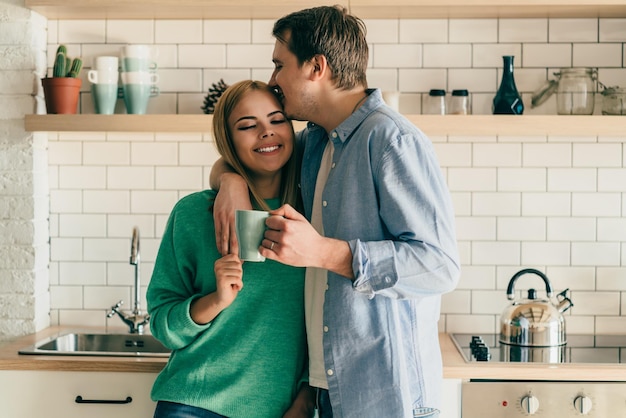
x: 250, y: 360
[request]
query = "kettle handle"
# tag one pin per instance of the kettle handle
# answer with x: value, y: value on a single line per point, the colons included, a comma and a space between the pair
x: 510, y: 291
x: 542, y: 94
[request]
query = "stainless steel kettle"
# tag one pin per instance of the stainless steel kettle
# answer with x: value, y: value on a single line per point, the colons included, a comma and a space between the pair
x: 534, y: 322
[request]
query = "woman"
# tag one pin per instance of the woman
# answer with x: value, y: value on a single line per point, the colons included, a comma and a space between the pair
x: 236, y: 352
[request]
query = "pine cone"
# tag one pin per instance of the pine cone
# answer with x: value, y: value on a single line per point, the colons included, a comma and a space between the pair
x: 215, y: 91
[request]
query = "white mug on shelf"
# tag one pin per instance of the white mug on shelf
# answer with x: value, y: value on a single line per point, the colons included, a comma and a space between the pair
x: 106, y: 63
x: 139, y: 51
x: 104, y: 70
x: 103, y: 76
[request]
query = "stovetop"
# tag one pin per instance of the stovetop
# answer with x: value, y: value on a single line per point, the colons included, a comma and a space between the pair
x: 581, y: 348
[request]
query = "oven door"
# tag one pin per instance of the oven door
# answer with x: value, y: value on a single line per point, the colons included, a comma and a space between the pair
x: 506, y: 398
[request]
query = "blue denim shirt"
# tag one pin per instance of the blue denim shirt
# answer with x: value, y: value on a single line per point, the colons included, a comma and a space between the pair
x: 387, y: 198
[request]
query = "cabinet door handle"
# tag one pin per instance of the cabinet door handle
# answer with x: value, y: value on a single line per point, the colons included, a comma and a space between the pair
x: 79, y: 399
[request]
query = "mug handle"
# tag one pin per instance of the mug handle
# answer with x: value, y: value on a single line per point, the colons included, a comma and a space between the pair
x: 92, y: 76
x: 154, y: 91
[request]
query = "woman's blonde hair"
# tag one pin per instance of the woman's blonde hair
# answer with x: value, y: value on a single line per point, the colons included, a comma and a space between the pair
x: 225, y: 146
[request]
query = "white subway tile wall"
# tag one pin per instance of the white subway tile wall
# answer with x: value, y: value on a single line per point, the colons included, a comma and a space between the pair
x: 553, y: 203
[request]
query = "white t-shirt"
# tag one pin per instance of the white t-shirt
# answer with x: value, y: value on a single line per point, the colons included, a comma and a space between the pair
x: 316, y: 283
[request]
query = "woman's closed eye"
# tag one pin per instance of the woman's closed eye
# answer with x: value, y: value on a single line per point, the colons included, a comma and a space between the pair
x: 245, y: 127
x: 254, y: 125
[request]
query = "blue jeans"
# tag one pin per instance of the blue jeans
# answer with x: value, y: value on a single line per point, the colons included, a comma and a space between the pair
x: 322, y: 403
x: 176, y: 410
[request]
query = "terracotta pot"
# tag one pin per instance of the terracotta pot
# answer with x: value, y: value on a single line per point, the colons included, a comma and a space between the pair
x: 61, y: 94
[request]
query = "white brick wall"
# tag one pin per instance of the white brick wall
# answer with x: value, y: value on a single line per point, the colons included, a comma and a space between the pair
x: 408, y: 55
x: 538, y: 205
x: 24, y: 249
x: 520, y: 202
x: 553, y: 203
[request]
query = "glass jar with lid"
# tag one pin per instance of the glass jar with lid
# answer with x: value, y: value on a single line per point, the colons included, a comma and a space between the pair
x: 614, y: 101
x: 435, y: 102
x: 459, y: 104
x: 575, y: 91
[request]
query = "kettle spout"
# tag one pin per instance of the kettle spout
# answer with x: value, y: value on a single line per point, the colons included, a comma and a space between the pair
x: 564, y: 302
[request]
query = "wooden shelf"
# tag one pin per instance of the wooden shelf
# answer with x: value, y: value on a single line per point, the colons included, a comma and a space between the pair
x: 366, y: 9
x: 411, y: 9
x: 170, y: 9
x: 118, y: 123
x: 471, y: 125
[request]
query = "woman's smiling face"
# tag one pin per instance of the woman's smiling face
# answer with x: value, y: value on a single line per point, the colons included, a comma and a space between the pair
x: 261, y: 134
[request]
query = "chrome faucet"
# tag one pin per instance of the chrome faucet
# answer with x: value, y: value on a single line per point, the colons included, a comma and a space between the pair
x: 135, y: 319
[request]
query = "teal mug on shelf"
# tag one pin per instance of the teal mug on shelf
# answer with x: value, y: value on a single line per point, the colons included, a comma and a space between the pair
x: 104, y: 98
x: 139, y: 77
x: 137, y: 96
x: 130, y: 64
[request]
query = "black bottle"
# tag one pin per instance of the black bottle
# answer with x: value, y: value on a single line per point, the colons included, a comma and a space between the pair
x: 508, y: 100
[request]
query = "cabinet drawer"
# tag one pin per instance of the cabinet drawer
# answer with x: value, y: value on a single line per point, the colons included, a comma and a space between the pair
x: 27, y: 394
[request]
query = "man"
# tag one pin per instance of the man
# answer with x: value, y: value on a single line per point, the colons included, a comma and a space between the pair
x: 380, y: 248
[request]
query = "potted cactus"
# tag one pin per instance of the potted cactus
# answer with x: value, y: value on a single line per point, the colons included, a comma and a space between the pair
x: 62, y: 90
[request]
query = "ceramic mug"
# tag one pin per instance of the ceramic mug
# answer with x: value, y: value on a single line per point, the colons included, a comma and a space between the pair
x: 250, y: 229
x: 137, y: 96
x: 139, y: 77
x: 138, y: 64
x: 103, y: 76
x: 104, y: 98
x: 138, y: 51
x: 106, y: 63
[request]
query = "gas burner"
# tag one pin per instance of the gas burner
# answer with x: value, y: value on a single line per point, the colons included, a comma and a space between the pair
x: 581, y: 348
x: 479, y: 349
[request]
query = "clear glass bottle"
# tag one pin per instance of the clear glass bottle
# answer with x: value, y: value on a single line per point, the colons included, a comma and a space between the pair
x: 435, y: 103
x: 459, y: 103
x: 507, y: 100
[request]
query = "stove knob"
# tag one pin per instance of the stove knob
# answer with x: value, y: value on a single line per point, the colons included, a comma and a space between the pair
x: 583, y: 404
x: 530, y: 404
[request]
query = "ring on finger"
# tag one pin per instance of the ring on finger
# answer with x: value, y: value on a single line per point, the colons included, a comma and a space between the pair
x: 272, y: 246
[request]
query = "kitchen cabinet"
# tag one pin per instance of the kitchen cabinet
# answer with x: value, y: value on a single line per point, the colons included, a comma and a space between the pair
x: 367, y: 9
x: 451, y: 398
x: 432, y: 125
x: 27, y: 394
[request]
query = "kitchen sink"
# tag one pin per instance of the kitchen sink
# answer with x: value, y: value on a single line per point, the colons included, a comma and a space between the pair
x: 114, y: 345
